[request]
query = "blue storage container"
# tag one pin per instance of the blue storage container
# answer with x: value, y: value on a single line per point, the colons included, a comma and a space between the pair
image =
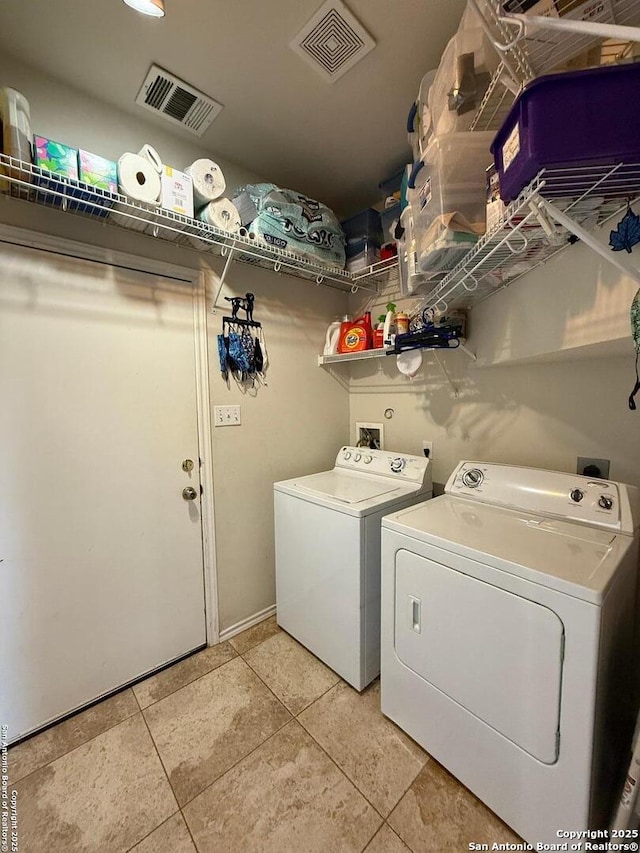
x: 387, y: 217
x: 363, y: 226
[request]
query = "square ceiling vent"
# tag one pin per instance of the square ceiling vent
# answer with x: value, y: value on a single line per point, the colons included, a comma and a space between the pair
x: 333, y: 41
x: 177, y: 101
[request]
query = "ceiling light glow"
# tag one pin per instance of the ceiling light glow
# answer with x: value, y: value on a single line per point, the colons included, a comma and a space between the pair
x: 155, y: 8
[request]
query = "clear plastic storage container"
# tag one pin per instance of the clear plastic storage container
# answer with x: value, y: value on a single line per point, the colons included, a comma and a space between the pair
x: 450, y: 178
x: 447, y: 196
x: 463, y: 76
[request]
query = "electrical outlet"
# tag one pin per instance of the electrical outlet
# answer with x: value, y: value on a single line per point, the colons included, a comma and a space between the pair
x: 226, y: 416
x: 601, y: 464
x: 427, y: 445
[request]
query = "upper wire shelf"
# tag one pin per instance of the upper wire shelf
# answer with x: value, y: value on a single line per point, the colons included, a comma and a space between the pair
x: 526, y: 237
x: 541, y: 51
x: 22, y: 180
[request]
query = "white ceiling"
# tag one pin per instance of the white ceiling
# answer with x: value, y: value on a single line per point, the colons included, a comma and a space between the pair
x: 280, y: 118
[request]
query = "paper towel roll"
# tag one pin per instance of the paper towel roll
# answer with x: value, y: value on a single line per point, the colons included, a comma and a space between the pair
x: 149, y: 153
x: 138, y: 179
x: 222, y: 214
x: 208, y: 181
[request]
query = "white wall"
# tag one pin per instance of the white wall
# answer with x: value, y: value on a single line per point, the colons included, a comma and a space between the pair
x: 562, y: 335
x: 292, y: 426
x: 71, y: 117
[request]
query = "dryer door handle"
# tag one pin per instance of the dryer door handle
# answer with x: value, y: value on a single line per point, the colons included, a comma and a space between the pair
x: 415, y: 614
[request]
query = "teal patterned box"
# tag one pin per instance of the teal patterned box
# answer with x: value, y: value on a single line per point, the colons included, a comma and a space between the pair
x: 98, y: 171
x: 56, y: 157
x: 64, y: 161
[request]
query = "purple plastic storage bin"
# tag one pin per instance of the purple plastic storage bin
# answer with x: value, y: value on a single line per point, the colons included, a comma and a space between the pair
x: 578, y: 118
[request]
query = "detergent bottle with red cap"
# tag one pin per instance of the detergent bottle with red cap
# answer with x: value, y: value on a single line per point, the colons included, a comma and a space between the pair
x: 356, y: 335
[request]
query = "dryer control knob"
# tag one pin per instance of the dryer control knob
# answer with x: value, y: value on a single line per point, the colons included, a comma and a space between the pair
x: 357, y: 457
x: 346, y: 454
x: 577, y: 495
x: 397, y: 464
x: 368, y: 459
x: 472, y: 478
x: 605, y: 502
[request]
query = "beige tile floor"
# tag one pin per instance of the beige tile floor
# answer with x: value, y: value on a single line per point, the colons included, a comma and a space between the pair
x: 254, y: 745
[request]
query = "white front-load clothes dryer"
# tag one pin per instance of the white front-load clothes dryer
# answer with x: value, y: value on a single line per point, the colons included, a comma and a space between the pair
x: 327, y: 532
x: 507, y: 639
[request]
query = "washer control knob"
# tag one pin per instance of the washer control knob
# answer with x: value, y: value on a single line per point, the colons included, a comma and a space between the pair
x: 357, y: 457
x: 368, y: 459
x: 577, y: 495
x: 397, y: 464
x: 472, y: 478
x: 346, y: 454
x: 605, y: 502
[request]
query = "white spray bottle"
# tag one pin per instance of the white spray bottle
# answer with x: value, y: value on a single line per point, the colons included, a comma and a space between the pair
x: 389, y: 333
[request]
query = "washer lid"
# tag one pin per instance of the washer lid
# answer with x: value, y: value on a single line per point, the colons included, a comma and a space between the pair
x: 569, y: 557
x: 343, y: 487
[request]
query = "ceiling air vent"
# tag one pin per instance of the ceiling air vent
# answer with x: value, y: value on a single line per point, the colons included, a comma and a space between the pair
x: 177, y: 101
x: 332, y: 41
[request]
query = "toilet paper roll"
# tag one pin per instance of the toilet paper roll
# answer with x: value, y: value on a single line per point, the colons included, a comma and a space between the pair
x: 222, y: 214
x: 149, y: 153
x: 208, y: 181
x: 138, y: 179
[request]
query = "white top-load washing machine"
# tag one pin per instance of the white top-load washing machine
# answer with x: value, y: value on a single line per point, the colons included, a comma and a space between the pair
x: 327, y: 530
x: 507, y: 620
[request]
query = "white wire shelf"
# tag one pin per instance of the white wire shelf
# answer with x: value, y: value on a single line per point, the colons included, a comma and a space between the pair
x: 26, y: 182
x: 527, y: 237
x: 542, y: 51
x: 456, y: 344
x: 354, y: 356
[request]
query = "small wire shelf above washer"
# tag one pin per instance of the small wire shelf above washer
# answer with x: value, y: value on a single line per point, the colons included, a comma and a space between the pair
x: 528, y: 235
x: 26, y: 182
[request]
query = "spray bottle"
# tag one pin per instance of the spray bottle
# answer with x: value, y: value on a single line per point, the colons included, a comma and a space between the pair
x: 389, y: 333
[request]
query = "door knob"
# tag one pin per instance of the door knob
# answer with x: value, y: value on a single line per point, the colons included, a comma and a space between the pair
x: 187, y: 465
x: 189, y: 493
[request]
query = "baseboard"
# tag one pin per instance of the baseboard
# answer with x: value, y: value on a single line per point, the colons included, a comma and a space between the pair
x: 249, y: 622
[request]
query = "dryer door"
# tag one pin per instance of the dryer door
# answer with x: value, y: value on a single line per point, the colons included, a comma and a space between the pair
x: 494, y: 653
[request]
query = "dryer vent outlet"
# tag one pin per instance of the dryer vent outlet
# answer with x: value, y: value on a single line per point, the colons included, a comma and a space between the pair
x: 590, y: 467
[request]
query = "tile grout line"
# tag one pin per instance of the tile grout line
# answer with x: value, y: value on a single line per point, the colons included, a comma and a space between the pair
x: 157, y: 752
x: 392, y: 830
x: 77, y: 746
x: 296, y: 718
x: 262, y: 681
x: 356, y: 786
x: 97, y: 704
x: 129, y: 849
x: 186, y: 684
x: 175, y: 796
x: 235, y: 764
x: 350, y: 781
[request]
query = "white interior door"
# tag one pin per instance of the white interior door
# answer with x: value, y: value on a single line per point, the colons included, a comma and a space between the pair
x: 102, y: 570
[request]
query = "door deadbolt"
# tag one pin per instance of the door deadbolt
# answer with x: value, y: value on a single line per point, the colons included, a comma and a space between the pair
x: 187, y: 465
x: 189, y: 494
